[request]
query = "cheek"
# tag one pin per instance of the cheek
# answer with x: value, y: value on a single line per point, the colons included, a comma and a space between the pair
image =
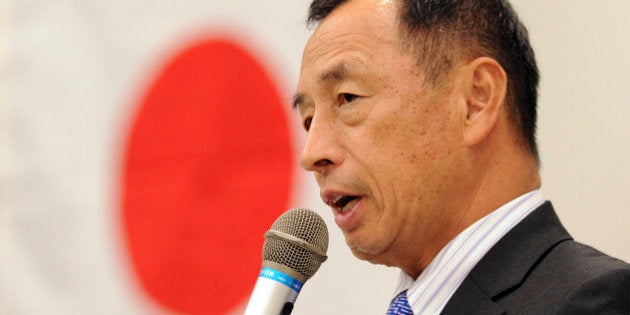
x: 402, y: 143
x: 408, y: 159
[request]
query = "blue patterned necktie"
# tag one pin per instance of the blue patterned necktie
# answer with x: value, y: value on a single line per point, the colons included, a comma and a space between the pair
x: 400, y: 305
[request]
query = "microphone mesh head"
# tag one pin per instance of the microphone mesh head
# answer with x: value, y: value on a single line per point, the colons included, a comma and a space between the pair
x: 308, y: 227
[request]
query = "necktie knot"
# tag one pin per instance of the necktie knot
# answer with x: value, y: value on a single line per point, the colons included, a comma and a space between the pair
x: 400, y: 305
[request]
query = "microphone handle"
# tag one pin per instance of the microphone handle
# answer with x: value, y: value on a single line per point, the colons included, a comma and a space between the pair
x: 274, y: 293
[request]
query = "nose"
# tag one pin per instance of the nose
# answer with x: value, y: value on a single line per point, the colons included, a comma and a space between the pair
x: 322, y: 150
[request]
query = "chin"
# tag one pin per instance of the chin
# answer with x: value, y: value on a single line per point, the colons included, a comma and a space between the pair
x: 361, y: 255
x: 373, y: 259
x: 368, y: 253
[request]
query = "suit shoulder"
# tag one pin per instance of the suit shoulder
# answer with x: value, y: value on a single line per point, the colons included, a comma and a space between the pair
x: 582, y: 260
x: 587, y: 281
x: 608, y: 293
x: 572, y: 278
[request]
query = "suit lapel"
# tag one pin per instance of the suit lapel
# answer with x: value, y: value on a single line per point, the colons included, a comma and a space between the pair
x: 471, y: 299
x: 508, y: 263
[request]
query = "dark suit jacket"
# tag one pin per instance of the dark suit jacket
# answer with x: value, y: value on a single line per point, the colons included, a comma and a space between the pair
x: 537, y: 268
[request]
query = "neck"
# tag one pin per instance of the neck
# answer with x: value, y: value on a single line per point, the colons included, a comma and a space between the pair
x: 495, y: 179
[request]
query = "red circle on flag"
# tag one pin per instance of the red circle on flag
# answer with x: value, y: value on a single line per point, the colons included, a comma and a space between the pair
x: 207, y: 169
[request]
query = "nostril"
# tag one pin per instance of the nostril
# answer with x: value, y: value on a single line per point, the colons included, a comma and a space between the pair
x: 323, y: 162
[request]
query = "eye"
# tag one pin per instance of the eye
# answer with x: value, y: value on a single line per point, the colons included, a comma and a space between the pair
x: 307, y: 123
x: 345, y: 98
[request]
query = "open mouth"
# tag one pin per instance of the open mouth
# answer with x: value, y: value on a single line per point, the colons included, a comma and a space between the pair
x: 342, y: 202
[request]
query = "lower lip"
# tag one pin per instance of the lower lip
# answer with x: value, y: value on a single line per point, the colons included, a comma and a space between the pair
x: 349, y: 219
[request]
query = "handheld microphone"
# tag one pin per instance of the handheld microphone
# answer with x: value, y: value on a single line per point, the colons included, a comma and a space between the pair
x: 294, y: 248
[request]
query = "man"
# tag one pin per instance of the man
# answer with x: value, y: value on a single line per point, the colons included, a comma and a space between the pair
x: 421, y: 123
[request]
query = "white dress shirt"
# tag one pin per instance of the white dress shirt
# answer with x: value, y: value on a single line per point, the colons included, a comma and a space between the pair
x: 434, y: 287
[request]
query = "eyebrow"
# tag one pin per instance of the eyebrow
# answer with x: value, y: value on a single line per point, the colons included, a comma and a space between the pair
x: 337, y: 72
x: 298, y: 99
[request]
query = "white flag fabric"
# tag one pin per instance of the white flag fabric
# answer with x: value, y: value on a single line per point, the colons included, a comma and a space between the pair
x: 145, y: 147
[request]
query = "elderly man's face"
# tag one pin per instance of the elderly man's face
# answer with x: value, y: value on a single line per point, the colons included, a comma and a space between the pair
x: 384, y: 148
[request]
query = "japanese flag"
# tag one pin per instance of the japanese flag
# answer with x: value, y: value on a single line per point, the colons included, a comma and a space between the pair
x: 146, y: 146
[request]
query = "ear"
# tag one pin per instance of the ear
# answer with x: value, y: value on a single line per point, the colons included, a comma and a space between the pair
x: 485, y: 88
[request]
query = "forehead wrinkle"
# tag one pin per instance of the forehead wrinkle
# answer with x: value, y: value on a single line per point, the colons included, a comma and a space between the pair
x: 339, y: 54
x: 348, y: 49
